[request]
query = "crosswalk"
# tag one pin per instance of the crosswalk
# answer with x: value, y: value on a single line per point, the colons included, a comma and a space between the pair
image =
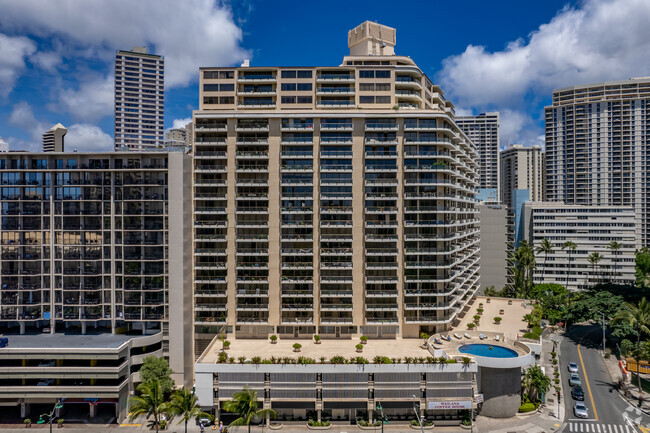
x: 591, y: 427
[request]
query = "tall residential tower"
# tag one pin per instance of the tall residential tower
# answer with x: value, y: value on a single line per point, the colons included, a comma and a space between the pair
x: 139, y: 99
x: 598, y: 148
x: 483, y: 130
x: 335, y: 200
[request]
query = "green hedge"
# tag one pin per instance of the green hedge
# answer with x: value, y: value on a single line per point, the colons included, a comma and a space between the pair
x: 526, y: 407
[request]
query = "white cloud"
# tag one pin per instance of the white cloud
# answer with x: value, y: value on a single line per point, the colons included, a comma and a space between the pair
x: 91, y: 101
x: 189, y: 34
x: 13, y: 51
x: 87, y: 138
x: 601, y: 40
x: 181, y: 123
x: 22, y: 116
x: 47, y: 60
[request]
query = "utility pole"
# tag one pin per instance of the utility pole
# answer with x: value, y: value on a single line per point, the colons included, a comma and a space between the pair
x: 603, y: 314
x: 416, y: 409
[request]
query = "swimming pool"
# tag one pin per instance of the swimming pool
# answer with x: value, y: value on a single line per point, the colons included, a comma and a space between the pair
x: 488, y: 350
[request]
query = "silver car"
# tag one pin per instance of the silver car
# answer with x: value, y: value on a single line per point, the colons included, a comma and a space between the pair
x: 574, y: 380
x: 573, y: 367
x: 580, y: 410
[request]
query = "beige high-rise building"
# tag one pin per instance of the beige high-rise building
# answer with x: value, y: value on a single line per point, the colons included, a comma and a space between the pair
x: 333, y: 200
x: 521, y: 168
x: 53, y: 139
x: 483, y: 130
x: 598, y: 148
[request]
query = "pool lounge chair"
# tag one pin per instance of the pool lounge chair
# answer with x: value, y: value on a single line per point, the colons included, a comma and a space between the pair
x: 497, y: 338
x: 467, y: 335
x: 436, y: 341
x: 457, y: 336
x: 481, y: 336
x: 448, y: 337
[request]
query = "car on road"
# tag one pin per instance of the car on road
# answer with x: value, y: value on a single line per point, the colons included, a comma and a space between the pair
x: 573, y: 367
x: 577, y: 393
x: 574, y: 380
x: 580, y: 410
x: 204, y: 421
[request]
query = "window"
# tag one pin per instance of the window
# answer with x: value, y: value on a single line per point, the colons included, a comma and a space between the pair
x: 210, y: 87
x: 288, y: 99
x: 288, y: 87
x: 227, y: 100
x: 304, y: 100
x: 304, y: 86
x: 226, y: 74
x: 366, y: 99
x: 382, y: 99
x: 304, y: 74
x: 366, y: 74
x: 227, y: 87
x: 210, y: 74
x: 382, y: 74
x: 382, y: 87
x: 288, y: 74
x: 367, y: 87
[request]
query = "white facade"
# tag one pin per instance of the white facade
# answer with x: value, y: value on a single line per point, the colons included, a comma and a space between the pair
x: 598, y: 148
x: 139, y: 99
x: 521, y: 168
x: 591, y: 228
x: 483, y: 130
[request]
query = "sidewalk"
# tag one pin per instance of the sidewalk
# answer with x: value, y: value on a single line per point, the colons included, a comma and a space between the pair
x: 629, y: 391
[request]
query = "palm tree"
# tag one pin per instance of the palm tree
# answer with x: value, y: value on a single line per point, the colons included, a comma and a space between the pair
x: 545, y: 247
x: 244, y: 403
x: 593, y: 259
x: 524, y: 258
x: 570, y: 246
x: 535, y: 381
x: 150, y: 402
x: 185, y: 404
x: 614, y: 246
x: 637, y: 317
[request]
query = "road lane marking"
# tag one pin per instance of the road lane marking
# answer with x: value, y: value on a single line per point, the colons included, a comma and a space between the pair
x: 591, y: 397
x: 598, y: 427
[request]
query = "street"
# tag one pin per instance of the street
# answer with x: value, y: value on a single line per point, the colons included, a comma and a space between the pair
x: 608, y: 413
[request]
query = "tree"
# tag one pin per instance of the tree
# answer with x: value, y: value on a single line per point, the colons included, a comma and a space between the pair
x: 157, y: 368
x: 185, y: 404
x: 535, y: 382
x: 637, y: 317
x: 593, y: 259
x: 643, y: 267
x: 552, y: 299
x: 524, y: 264
x: 545, y: 247
x: 244, y: 403
x: 151, y: 402
x: 614, y: 247
x: 570, y: 246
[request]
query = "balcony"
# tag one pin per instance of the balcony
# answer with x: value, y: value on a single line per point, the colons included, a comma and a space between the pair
x: 210, y: 127
x: 383, y: 126
x: 335, y: 77
x: 210, y: 169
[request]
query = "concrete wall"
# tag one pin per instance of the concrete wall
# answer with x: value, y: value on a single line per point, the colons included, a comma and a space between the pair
x: 494, y: 239
x: 501, y: 390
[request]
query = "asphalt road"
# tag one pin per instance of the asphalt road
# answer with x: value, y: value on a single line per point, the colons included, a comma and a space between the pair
x: 608, y: 413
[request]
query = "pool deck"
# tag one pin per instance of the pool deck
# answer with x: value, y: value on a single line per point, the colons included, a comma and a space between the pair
x: 451, y: 348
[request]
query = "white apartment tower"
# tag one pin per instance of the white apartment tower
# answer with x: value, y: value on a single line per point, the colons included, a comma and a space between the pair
x: 333, y: 200
x: 483, y: 130
x: 139, y: 99
x: 521, y: 168
x: 598, y: 148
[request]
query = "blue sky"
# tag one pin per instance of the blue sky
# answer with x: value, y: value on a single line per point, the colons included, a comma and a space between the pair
x: 56, y: 58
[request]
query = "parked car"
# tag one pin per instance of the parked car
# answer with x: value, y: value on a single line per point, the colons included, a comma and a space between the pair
x: 577, y: 393
x: 45, y: 382
x: 47, y: 364
x: 580, y: 410
x: 574, y: 380
x: 573, y: 367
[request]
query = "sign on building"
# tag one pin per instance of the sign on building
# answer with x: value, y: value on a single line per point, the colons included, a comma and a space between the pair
x: 450, y: 405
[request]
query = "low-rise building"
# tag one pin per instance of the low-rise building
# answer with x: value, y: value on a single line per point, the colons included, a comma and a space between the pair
x: 592, y: 229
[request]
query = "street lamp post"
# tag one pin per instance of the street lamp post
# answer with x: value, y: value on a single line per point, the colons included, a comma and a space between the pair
x: 57, y: 405
x: 603, y: 326
x: 383, y: 417
x: 416, y: 409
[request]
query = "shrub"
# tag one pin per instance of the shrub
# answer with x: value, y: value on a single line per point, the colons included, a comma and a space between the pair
x: 554, y: 361
x: 364, y: 339
x: 556, y: 374
x: 557, y: 381
x: 256, y: 359
x: 274, y: 338
x: 497, y: 320
x: 316, y: 338
x: 323, y: 360
x: 467, y: 418
x: 467, y: 360
x: 479, y: 311
x: 223, y: 357
x: 526, y: 407
x: 226, y: 344
x: 28, y: 421
x: 162, y: 424
x: 477, y: 317
x: 359, y: 347
x: 297, y: 346
x: 241, y: 359
x: 313, y: 423
x: 553, y: 354
x: 414, y: 422
x: 471, y: 325
x: 450, y: 361
x: 338, y: 359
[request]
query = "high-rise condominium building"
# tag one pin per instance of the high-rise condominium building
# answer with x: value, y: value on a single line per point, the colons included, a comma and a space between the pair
x: 334, y: 200
x: 95, y: 265
x: 597, y: 147
x: 483, y: 130
x: 139, y: 99
x: 609, y: 231
x: 53, y: 139
x: 176, y: 137
x: 521, y: 169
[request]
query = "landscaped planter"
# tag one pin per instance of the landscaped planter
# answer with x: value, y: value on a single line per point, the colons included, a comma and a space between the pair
x: 466, y: 427
x: 275, y: 426
x: 525, y: 414
x: 310, y: 427
x: 369, y: 427
x: 417, y: 427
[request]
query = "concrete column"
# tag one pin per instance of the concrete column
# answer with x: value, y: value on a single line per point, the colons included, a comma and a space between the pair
x: 318, y: 414
x: 83, y: 328
x: 93, y: 410
x: 370, y: 412
x: 268, y: 419
x: 24, y: 410
x: 22, y: 328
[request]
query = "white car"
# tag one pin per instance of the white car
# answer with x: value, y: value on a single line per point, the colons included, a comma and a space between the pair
x: 573, y: 367
x: 580, y: 410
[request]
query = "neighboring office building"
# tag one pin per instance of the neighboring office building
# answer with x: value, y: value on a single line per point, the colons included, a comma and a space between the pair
x: 521, y: 168
x: 483, y: 130
x: 86, y: 249
x: 341, y: 257
x: 591, y: 228
x: 597, y: 147
x: 53, y: 139
x: 139, y: 99
x: 494, y: 245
